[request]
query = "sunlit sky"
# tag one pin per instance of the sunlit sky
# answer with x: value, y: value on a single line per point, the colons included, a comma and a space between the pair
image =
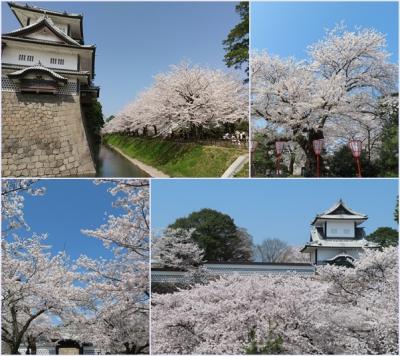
x: 274, y: 208
x: 137, y: 40
x: 68, y: 206
x: 287, y: 28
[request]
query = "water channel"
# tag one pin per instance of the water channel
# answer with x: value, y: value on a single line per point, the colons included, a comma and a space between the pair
x: 112, y: 164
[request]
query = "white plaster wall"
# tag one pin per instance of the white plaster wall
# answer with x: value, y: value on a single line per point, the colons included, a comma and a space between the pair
x: 340, y: 229
x: 45, y: 36
x: 312, y: 258
x: 10, y: 56
x: 325, y: 254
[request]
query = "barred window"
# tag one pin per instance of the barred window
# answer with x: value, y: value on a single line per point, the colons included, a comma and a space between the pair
x: 21, y: 57
x: 53, y: 60
x: 60, y: 61
x: 29, y: 58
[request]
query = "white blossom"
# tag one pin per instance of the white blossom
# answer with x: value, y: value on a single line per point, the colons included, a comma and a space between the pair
x: 338, y: 311
x: 186, y: 97
x: 332, y: 95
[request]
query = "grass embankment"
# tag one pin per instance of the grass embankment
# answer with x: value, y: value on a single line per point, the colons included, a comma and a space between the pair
x: 244, y: 172
x: 175, y: 158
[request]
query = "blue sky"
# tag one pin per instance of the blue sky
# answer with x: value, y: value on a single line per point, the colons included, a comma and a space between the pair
x: 274, y: 208
x: 136, y: 41
x: 68, y: 206
x: 287, y: 28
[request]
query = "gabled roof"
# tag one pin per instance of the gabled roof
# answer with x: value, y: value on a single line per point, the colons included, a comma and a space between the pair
x: 44, y: 21
x: 340, y: 211
x: 38, y: 68
x: 26, y: 12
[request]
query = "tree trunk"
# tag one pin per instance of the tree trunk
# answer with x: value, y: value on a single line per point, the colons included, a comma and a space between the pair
x: 369, y: 146
x: 291, y: 162
x: 32, y: 345
x: 306, y: 143
x: 14, y: 349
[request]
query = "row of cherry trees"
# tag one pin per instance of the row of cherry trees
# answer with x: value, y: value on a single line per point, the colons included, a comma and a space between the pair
x: 103, y: 301
x: 337, y: 311
x: 187, y: 101
x: 336, y: 94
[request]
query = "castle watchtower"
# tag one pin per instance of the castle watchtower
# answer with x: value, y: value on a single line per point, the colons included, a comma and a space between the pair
x: 336, y: 236
x: 47, y: 74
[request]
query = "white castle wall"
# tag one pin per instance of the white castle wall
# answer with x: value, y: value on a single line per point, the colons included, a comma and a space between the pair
x: 340, y: 229
x: 11, y: 56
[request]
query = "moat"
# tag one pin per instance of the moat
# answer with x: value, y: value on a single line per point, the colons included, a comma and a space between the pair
x: 112, y: 164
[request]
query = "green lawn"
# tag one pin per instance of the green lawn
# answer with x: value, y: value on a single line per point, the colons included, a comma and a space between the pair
x: 177, y: 159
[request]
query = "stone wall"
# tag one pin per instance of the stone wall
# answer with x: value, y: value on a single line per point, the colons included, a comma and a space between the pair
x: 43, y: 135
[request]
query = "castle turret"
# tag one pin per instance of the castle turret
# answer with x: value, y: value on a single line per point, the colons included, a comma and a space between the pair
x: 47, y: 75
x: 336, y: 236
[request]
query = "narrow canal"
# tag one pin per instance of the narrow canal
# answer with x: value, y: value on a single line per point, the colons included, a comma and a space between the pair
x: 112, y: 164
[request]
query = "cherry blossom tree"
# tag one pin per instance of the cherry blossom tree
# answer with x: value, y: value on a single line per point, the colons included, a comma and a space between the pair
x: 29, y: 272
x: 328, y: 96
x: 338, y: 310
x: 12, y: 202
x: 292, y: 254
x: 104, y: 301
x: 175, y: 248
x: 187, y: 100
x: 117, y: 319
x: 33, y: 283
x: 42, y: 329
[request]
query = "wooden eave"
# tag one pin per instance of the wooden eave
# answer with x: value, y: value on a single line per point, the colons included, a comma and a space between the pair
x: 57, y: 70
x: 20, y: 74
x: 32, y: 40
x: 358, y: 219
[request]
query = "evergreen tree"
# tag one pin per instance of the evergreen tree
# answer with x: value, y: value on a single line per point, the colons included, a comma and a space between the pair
x: 236, y: 44
x: 389, y: 150
x: 385, y: 236
x: 217, y: 234
x: 342, y: 164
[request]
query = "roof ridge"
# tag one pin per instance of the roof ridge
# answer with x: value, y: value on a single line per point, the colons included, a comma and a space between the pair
x: 41, y: 9
x: 49, y: 22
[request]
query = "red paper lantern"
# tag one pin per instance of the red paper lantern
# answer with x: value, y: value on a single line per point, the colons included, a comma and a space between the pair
x: 279, y: 146
x: 318, y: 145
x: 355, y: 147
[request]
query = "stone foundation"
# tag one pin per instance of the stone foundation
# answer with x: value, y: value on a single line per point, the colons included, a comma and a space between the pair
x: 43, y: 136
